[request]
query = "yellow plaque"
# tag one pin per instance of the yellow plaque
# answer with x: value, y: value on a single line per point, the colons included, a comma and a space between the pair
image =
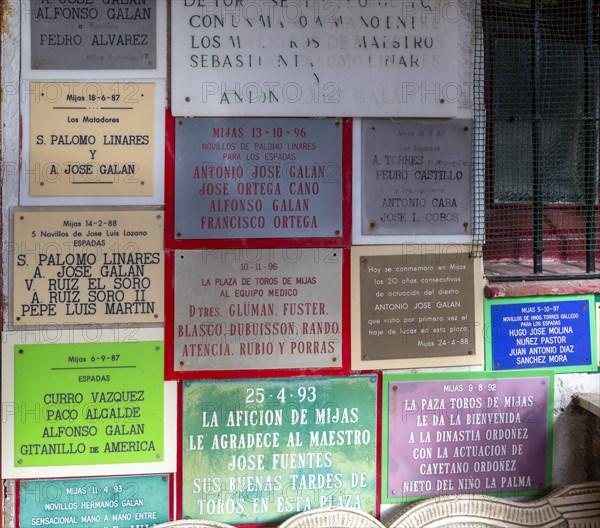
x: 87, y: 266
x: 91, y: 139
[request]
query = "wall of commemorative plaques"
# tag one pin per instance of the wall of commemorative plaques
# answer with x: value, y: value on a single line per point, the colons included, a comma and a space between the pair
x: 83, y: 387
x: 189, y: 349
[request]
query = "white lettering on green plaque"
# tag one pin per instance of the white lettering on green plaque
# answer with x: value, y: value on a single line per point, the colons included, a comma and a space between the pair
x: 262, y: 450
x: 118, y: 502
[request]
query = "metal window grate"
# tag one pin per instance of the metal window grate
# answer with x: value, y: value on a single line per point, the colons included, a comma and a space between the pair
x: 536, y: 112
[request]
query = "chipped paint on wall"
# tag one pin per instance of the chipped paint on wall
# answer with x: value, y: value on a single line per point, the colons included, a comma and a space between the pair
x: 7, y: 10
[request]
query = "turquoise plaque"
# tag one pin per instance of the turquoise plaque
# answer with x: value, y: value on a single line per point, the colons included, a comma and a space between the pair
x: 259, y: 450
x: 115, y: 502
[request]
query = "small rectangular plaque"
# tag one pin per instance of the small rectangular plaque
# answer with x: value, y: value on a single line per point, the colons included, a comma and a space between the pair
x: 259, y: 178
x: 314, y: 58
x: 118, y: 502
x: 416, y: 177
x: 94, y: 403
x: 87, y: 266
x: 257, y: 309
x: 466, y: 433
x: 541, y: 332
x: 91, y: 35
x: 91, y: 139
x: 416, y: 303
x: 258, y: 451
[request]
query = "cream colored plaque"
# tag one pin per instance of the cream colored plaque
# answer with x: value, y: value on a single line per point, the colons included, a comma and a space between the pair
x: 91, y: 139
x: 87, y: 267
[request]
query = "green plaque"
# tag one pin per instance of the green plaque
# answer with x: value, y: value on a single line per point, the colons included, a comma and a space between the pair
x: 94, y: 403
x: 262, y: 450
x: 115, y: 502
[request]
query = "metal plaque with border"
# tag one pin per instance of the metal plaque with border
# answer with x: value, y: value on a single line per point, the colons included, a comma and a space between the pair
x: 298, y: 58
x: 92, y: 35
x: 92, y: 139
x: 415, y: 306
x: 267, y: 449
x: 118, y: 502
x: 466, y: 433
x: 541, y: 332
x: 95, y: 403
x: 74, y: 266
x: 257, y: 309
x: 258, y: 178
x: 416, y: 177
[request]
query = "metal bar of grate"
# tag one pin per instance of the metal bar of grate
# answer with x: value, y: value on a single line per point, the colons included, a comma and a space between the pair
x: 538, y: 204
x: 590, y: 154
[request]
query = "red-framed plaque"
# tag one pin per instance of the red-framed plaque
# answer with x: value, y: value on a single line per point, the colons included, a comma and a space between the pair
x: 228, y: 188
x: 257, y: 312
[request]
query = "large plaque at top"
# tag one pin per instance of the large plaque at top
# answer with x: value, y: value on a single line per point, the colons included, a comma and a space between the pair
x: 87, y: 267
x: 259, y: 178
x: 415, y: 306
x: 416, y: 178
x: 92, y: 35
x: 257, y: 309
x: 314, y: 58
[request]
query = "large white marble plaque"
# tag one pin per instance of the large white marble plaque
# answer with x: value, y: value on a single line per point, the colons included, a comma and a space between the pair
x: 314, y: 58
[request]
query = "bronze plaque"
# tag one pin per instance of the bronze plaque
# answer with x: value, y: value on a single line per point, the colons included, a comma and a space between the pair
x: 91, y: 139
x: 87, y: 266
x: 417, y: 305
x: 257, y: 309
